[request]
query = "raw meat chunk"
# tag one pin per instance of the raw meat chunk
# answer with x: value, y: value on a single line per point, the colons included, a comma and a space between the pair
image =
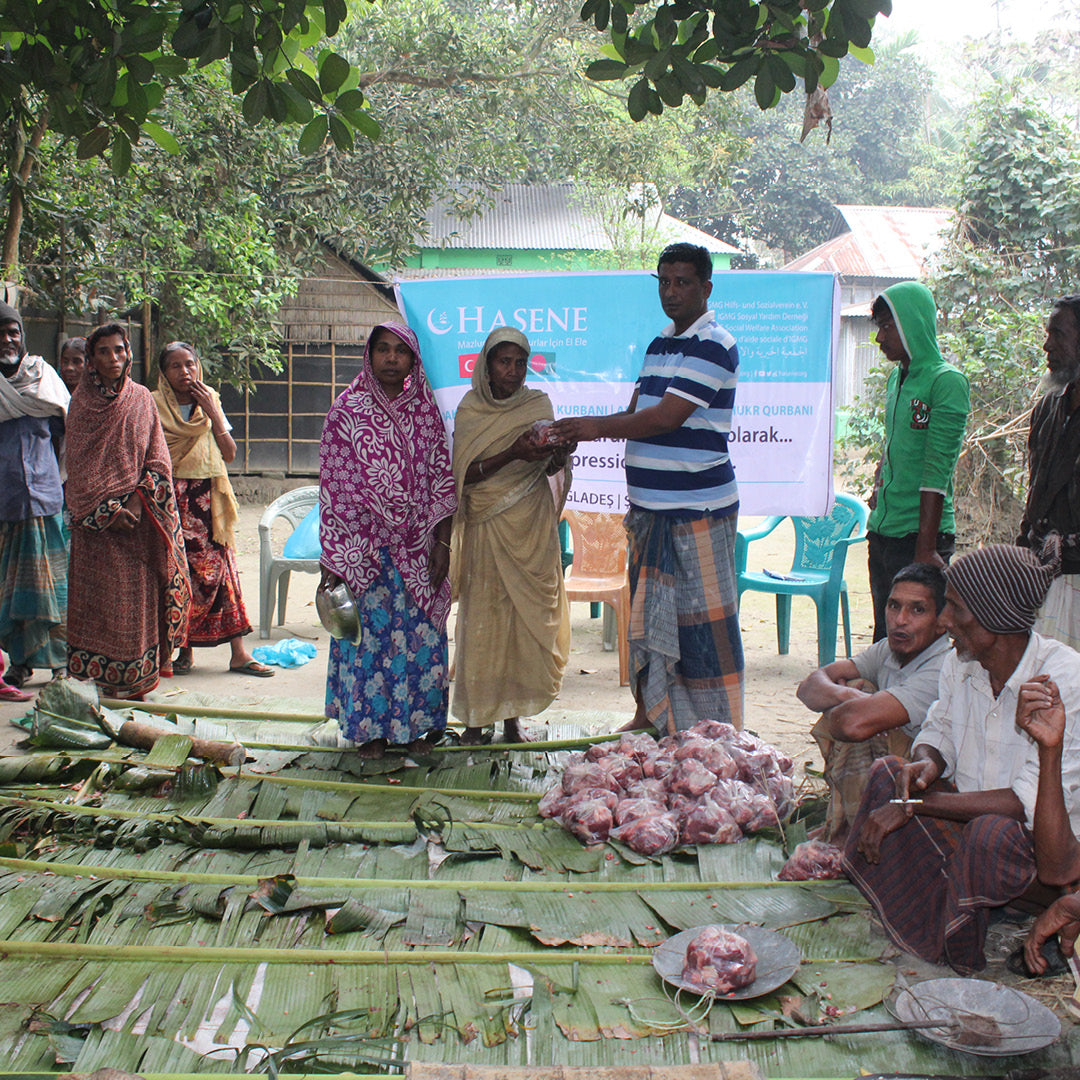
x: 553, y: 802
x: 589, y: 820
x: 649, y: 835
x: 621, y: 770
x: 736, y: 798
x: 648, y: 789
x: 782, y: 792
x: 632, y: 809
x: 763, y: 814
x: 585, y: 775
x: 609, y: 798
x: 718, y: 961
x: 637, y: 744
x: 690, y: 778
x: 715, y: 729
x: 710, y: 823
x: 711, y: 754
x: 813, y: 860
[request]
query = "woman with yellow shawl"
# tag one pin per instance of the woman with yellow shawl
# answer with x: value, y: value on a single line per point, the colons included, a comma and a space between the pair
x: 513, y: 625
x: 200, y: 446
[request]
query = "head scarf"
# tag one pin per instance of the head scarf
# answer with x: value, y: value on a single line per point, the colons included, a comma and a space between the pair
x: 1004, y: 586
x: 481, y: 381
x: 35, y: 388
x: 113, y: 439
x: 485, y: 424
x: 915, y: 314
x: 195, y: 454
x: 385, y: 480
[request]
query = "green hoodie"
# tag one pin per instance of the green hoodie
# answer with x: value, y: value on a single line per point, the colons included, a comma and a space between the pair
x: 925, y: 413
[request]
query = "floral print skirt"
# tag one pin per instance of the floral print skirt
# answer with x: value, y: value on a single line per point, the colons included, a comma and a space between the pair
x: 394, y: 685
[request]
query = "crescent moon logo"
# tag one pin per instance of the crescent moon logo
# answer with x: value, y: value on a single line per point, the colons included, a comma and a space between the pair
x: 442, y: 318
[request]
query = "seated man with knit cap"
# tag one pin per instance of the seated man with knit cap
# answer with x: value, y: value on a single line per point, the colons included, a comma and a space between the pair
x: 960, y: 842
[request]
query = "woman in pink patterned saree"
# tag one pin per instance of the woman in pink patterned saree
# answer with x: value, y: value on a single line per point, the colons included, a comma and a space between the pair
x: 387, y: 502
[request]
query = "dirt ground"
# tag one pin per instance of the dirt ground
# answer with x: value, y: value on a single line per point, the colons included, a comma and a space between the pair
x: 590, y: 692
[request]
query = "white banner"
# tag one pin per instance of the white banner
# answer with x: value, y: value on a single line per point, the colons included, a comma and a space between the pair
x: 588, y: 334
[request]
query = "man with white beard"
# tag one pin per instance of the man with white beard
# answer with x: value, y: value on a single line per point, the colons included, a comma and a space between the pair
x: 1053, y: 502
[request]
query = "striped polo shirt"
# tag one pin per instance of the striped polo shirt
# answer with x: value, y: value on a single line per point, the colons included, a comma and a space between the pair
x: 689, y: 468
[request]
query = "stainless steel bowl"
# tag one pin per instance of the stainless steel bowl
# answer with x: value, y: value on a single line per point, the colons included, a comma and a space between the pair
x: 338, y: 613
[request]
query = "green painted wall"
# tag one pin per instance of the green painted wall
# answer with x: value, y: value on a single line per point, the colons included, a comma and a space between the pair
x: 519, y: 259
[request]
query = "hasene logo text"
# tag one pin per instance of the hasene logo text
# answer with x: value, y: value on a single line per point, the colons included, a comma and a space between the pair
x: 477, y: 320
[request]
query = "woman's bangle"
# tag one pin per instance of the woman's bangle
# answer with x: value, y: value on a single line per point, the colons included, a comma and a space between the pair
x: 218, y: 434
x: 443, y: 542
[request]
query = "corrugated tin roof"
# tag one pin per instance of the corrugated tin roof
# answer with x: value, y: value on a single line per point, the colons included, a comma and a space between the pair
x: 882, y: 241
x: 555, y: 217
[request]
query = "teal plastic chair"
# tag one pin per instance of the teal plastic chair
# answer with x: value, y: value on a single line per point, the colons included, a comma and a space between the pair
x: 817, y: 571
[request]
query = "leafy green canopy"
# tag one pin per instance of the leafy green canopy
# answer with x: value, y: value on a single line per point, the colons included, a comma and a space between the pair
x: 687, y: 48
x: 102, y: 68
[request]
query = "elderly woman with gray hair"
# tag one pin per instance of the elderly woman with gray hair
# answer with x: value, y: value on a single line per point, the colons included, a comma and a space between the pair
x: 513, y: 628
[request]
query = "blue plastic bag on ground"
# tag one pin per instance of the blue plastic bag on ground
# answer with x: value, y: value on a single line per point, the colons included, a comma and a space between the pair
x: 304, y: 541
x: 292, y: 652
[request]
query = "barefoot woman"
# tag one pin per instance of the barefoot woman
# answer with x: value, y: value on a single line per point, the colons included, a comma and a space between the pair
x: 513, y: 629
x: 387, y: 503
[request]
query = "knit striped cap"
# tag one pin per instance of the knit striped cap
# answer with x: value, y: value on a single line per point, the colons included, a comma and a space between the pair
x: 1004, y: 586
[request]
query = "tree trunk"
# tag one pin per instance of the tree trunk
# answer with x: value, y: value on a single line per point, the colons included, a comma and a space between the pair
x: 24, y: 154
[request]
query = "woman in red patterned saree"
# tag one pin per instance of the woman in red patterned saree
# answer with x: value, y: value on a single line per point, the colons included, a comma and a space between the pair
x: 129, y: 596
x: 201, y: 446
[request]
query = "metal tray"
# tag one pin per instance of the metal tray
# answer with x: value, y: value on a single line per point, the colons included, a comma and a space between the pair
x: 778, y: 958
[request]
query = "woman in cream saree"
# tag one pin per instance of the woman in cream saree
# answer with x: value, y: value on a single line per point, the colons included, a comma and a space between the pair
x: 513, y: 627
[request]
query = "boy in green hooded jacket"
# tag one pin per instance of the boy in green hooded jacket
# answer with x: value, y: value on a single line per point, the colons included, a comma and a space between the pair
x: 926, y: 408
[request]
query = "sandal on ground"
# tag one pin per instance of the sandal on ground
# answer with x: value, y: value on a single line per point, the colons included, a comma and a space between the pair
x: 182, y: 665
x: 253, y: 667
x: 13, y: 693
x: 1056, y: 964
x: 17, y: 675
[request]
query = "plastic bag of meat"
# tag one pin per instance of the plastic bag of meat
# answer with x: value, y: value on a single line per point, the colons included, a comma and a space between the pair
x: 813, y: 860
x: 622, y: 770
x: 553, y: 802
x: 632, y: 809
x: 690, y: 777
x: 710, y: 823
x: 736, y: 798
x: 609, y: 798
x: 763, y: 815
x: 711, y: 754
x: 719, y: 962
x: 782, y: 792
x: 587, y: 774
x: 636, y: 744
x: 715, y: 729
x: 590, y: 820
x: 598, y: 751
x: 744, y: 740
x: 648, y: 789
x: 649, y: 835
x: 657, y: 768
x: 754, y: 765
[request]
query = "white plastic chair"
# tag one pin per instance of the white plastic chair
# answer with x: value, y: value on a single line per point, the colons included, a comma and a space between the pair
x: 275, y: 569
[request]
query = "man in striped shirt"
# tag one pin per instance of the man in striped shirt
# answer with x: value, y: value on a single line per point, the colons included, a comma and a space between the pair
x: 686, y: 653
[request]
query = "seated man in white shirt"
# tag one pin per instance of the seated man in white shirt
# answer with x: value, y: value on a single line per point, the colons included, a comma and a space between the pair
x: 875, y: 703
x: 959, y: 842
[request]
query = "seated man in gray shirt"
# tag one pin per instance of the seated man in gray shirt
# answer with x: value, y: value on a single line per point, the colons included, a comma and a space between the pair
x: 873, y: 704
